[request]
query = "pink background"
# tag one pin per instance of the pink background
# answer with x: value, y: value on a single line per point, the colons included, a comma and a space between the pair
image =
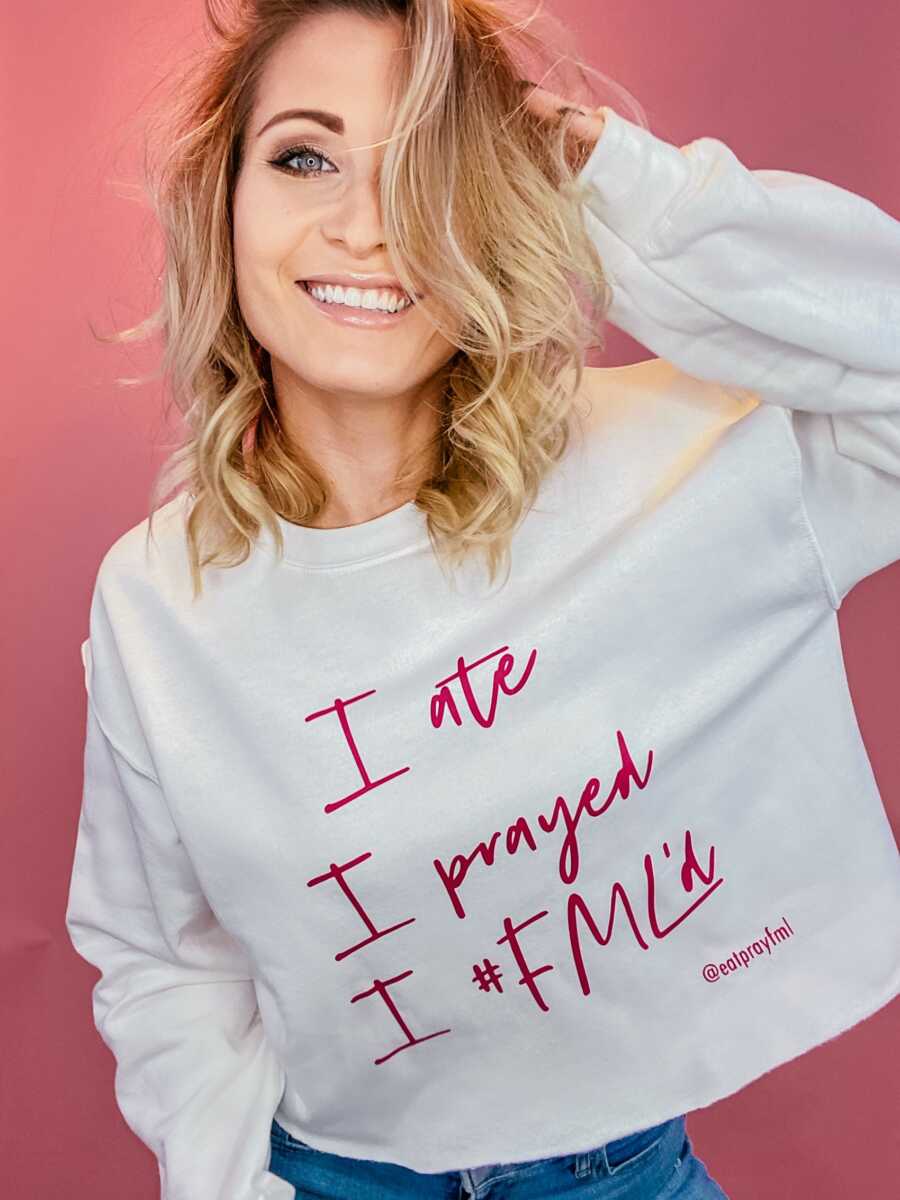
x: 805, y: 85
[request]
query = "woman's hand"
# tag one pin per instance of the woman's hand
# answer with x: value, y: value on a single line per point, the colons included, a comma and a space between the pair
x: 584, y: 123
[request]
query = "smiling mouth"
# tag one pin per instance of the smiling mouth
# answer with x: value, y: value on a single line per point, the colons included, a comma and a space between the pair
x: 356, y: 316
x: 401, y: 295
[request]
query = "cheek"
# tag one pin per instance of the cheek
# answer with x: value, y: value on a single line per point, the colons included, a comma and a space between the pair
x: 438, y: 346
x: 256, y: 247
x: 243, y: 228
x: 265, y: 234
x: 264, y: 285
x: 425, y: 341
x: 250, y: 255
x: 451, y: 323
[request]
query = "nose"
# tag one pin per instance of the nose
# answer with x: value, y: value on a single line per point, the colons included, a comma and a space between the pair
x: 356, y: 219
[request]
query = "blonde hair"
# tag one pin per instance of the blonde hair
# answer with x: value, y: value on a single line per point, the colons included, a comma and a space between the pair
x: 467, y: 168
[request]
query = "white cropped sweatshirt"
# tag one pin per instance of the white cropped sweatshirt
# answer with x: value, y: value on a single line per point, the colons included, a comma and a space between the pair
x: 449, y: 875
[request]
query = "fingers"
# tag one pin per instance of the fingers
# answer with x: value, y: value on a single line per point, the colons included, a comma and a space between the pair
x: 549, y: 104
x: 582, y: 124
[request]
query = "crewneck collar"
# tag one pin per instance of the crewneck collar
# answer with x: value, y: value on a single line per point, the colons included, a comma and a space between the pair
x: 397, y: 531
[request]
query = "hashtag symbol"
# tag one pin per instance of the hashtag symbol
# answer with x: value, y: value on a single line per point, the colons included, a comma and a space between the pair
x: 487, y: 976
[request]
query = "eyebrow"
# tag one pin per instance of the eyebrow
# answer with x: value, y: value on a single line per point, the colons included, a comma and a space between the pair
x: 330, y: 120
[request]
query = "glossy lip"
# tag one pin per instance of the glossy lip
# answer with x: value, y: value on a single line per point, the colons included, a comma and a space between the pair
x: 361, y: 318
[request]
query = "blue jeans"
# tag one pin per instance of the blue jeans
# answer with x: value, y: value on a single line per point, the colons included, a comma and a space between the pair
x: 654, y: 1164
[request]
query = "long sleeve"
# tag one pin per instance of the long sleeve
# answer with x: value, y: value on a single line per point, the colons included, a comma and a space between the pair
x: 772, y: 283
x: 195, y: 1079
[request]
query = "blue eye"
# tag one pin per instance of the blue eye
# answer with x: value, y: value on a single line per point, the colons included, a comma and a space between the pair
x: 304, y: 152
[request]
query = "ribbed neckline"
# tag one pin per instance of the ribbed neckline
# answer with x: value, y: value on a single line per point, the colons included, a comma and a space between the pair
x: 398, y: 530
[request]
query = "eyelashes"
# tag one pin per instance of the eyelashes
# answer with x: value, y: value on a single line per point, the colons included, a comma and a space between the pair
x: 303, y: 150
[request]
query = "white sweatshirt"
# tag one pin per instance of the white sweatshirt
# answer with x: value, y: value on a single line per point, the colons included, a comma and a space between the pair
x: 450, y: 876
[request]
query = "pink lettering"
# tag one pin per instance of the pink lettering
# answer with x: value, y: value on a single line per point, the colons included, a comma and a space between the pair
x: 576, y: 907
x: 445, y: 702
x: 336, y: 871
x: 528, y: 975
x: 380, y: 987
x: 340, y: 708
x: 453, y: 875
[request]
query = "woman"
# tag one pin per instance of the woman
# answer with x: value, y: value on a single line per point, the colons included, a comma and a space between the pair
x: 405, y: 881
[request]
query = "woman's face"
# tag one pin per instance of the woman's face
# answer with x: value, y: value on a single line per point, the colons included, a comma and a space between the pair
x: 317, y: 214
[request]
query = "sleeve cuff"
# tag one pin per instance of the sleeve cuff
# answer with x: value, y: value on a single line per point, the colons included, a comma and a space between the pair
x: 633, y: 175
x: 275, y: 1188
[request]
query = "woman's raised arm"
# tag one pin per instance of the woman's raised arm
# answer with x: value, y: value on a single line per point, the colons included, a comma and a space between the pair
x: 776, y: 284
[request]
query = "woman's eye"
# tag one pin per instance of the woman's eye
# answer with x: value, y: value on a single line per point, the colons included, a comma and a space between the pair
x: 308, y: 156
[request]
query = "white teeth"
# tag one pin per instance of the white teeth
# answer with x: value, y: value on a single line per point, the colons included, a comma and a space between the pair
x: 385, y: 300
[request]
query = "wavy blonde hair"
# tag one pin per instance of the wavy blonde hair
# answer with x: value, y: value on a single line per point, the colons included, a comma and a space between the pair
x: 514, y: 254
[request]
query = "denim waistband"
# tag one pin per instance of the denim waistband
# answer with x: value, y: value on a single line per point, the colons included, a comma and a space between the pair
x: 652, y: 1150
x: 605, y: 1159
